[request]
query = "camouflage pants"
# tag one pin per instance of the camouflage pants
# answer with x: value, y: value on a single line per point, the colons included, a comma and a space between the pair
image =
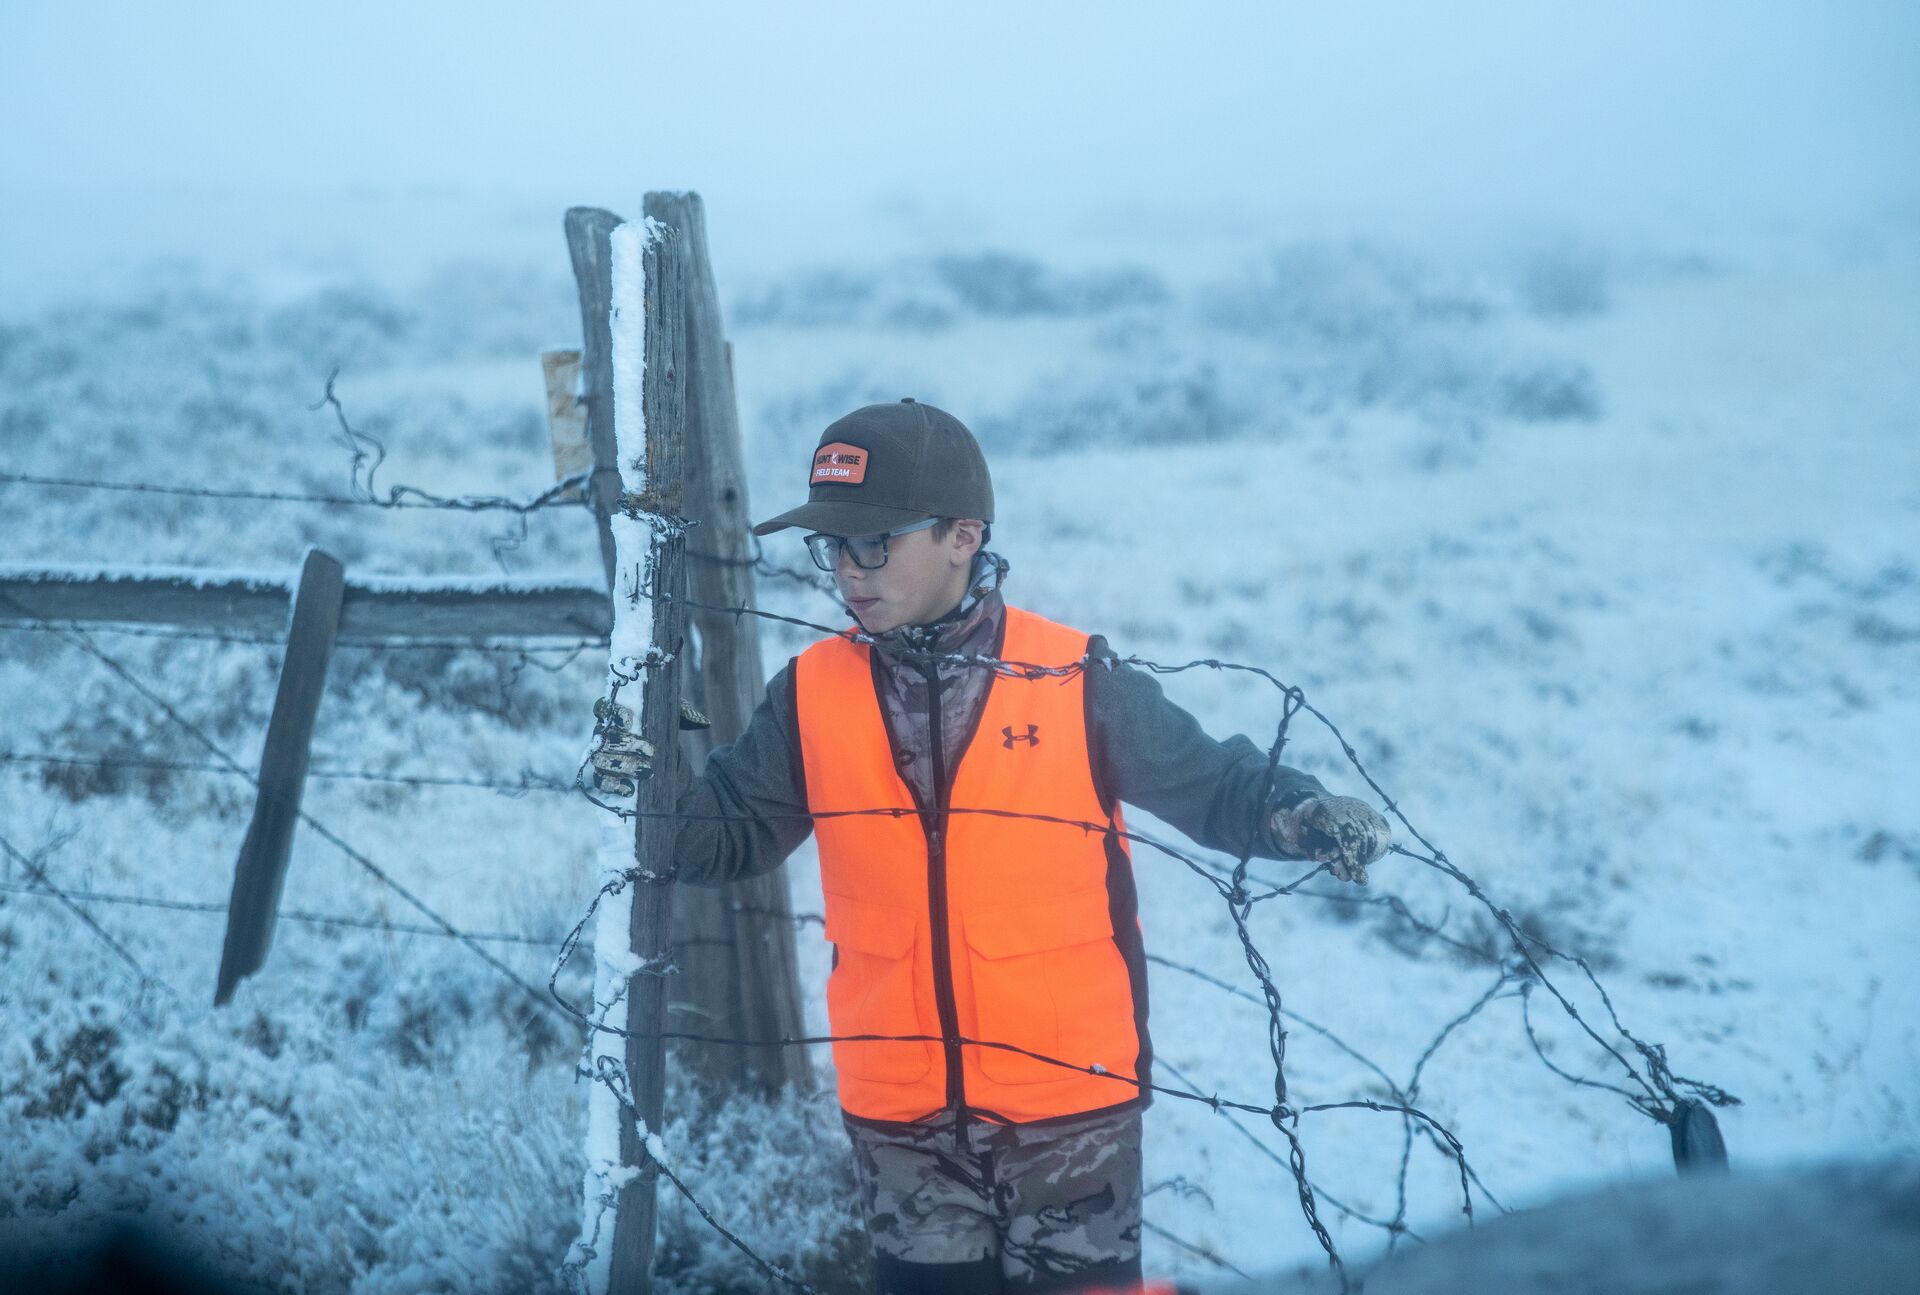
x: 1055, y: 1204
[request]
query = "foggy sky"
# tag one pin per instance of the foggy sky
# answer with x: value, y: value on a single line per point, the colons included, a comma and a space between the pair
x: 791, y: 115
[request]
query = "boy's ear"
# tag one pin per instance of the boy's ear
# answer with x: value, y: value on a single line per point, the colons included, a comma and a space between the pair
x: 968, y: 531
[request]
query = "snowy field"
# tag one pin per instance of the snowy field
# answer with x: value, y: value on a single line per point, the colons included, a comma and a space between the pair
x: 1600, y: 552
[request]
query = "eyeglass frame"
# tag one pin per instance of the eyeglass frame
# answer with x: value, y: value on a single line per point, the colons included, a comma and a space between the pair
x: 838, y: 544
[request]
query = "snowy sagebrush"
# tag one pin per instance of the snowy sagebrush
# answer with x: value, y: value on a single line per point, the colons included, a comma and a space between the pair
x: 1309, y: 330
x: 937, y: 293
x: 775, y: 1171
x: 318, y: 1150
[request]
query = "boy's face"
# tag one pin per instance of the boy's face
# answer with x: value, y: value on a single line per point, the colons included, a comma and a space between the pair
x: 923, y: 579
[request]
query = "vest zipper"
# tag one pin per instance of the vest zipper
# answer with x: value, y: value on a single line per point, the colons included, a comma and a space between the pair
x: 937, y: 911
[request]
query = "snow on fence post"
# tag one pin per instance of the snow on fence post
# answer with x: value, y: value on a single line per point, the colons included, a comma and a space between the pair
x: 261, y: 871
x: 632, y: 935
x: 740, y: 974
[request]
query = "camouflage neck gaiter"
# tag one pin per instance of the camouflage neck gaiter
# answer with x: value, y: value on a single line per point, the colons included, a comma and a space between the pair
x: 971, y: 629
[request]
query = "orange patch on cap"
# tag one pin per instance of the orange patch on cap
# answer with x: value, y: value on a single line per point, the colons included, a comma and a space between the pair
x: 839, y: 464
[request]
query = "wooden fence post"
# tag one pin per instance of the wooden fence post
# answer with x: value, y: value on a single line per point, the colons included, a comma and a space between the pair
x: 632, y: 946
x: 262, y: 868
x: 587, y: 231
x: 566, y: 417
x: 736, y: 943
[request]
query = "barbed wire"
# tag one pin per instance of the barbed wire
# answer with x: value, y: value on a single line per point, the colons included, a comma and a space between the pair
x: 287, y: 914
x: 367, y: 452
x: 47, y: 886
x: 1234, y: 1119
x: 51, y: 625
x: 1660, y: 1096
x: 199, y: 492
x: 89, y: 896
x: 766, y: 566
x: 1660, y: 1084
x: 362, y: 448
x: 1283, y: 1117
x: 366, y: 455
x: 1656, y: 1090
x: 1411, y: 1091
x: 1394, y: 1089
x: 528, y: 781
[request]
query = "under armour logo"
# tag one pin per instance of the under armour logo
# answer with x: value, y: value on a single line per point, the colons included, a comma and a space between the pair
x: 1031, y: 737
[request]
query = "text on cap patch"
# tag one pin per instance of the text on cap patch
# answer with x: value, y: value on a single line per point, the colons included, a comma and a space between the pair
x: 839, y: 464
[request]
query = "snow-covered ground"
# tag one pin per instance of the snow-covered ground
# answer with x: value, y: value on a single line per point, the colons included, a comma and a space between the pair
x: 1599, y: 552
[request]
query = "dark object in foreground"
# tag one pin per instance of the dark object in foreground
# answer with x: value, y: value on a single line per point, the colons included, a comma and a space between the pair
x: 121, y: 1259
x: 1789, y: 1231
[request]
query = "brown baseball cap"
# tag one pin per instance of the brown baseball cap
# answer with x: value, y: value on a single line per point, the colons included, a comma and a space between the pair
x: 890, y: 465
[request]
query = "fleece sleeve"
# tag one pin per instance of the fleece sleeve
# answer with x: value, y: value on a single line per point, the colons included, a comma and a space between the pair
x: 747, y: 809
x: 1148, y: 751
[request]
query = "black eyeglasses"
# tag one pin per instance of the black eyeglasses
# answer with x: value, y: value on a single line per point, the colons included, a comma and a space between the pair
x: 869, y: 552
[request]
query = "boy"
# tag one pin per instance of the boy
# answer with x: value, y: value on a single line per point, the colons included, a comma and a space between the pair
x: 982, y: 1168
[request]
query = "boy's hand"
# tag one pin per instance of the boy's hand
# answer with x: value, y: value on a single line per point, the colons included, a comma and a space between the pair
x: 1343, y: 832
x: 622, y: 759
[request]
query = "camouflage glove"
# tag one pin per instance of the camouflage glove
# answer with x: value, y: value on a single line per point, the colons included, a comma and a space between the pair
x: 1343, y: 832
x: 622, y: 759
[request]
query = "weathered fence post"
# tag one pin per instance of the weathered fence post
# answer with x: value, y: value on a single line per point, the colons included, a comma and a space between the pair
x: 261, y: 871
x: 632, y: 945
x: 587, y: 230
x: 736, y: 943
x: 566, y: 417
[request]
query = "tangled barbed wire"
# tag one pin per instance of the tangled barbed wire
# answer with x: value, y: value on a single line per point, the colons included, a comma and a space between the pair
x: 366, y: 453
x: 1651, y: 1087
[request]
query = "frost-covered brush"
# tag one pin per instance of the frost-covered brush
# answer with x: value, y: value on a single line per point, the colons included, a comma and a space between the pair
x: 72, y: 904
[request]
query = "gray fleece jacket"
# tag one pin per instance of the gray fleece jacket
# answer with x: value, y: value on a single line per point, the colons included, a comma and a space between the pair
x: 747, y: 810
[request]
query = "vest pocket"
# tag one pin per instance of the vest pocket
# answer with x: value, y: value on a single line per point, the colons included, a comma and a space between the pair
x: 1048, y: 977
x: 871, y: 991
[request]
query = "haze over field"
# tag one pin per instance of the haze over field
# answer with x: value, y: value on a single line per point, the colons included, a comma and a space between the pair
x: 323, y: 135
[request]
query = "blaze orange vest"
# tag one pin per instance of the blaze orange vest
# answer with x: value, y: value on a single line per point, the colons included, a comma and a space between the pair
x: 970, y: 926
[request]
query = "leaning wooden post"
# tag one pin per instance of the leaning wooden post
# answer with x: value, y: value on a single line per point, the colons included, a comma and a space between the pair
x: 1697, y: 1144
x: 261, y: 872
x: 741, y: 978
x: 587, y: 230
x: 632, y: 937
